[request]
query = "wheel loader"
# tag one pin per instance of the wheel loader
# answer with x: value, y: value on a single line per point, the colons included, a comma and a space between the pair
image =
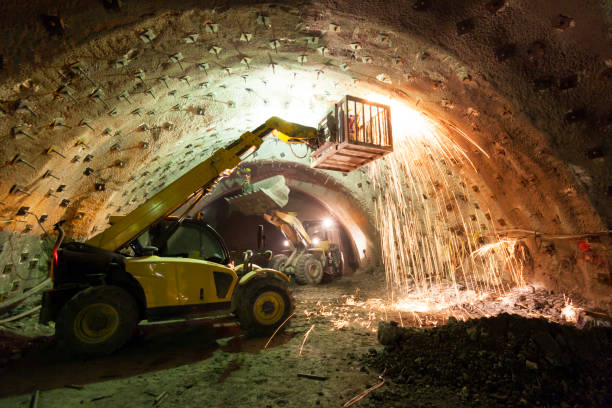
x: 310, y: 260
x: 150, y: 265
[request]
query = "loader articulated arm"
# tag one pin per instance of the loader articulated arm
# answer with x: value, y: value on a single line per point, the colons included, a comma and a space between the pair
x: 202, y: 178
x: 291, y: 227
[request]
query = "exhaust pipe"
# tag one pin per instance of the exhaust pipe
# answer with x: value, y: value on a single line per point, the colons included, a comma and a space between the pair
x: 261, y: 238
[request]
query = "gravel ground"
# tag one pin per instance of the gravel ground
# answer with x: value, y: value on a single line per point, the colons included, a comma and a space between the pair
x: 203, y: 362
x: 502, y: 361
x: 207, y: 361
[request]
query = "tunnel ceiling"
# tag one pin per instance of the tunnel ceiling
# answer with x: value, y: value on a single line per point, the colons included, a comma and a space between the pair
x: 105, y: 102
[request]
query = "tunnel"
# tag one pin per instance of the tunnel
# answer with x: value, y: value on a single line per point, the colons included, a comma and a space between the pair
x: 474, y: 247
x: 218, y: 213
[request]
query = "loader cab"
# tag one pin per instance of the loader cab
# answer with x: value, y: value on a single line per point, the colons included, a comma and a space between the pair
x: 190, y: 238
x: 317, y: 229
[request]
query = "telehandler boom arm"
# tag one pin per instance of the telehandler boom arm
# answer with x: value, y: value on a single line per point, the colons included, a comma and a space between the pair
x: 200, y: 178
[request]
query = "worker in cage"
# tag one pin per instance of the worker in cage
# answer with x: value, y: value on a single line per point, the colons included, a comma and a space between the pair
x: 354, y: 125
x: 332, y: 127
x: 340, y: 124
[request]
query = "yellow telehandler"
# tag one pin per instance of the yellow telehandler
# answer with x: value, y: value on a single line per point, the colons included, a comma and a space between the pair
x: 149, y: 265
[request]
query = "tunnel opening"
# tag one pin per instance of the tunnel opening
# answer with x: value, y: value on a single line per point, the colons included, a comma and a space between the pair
x: 241, y: 230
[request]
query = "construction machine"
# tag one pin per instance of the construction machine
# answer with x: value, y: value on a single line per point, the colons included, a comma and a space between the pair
x: 310, y: 260
x: 150, y: 266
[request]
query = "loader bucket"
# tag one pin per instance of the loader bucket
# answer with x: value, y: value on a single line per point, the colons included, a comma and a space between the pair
x: 268, y: 195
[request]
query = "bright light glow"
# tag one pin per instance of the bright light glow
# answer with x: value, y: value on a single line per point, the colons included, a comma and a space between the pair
x: 569, y: 311
x: 408, y: 122
x: 405, y: 121
x: 328, y: 223
x: 359, y: 238
x: 316, y: 241
x: 438, y: 298
x: 290, y: 94
x: 286, y: 243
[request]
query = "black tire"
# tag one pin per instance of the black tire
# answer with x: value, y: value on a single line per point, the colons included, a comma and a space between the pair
x: 308, y: 270
x: 338, y: 262
x: 264, y: 304
x: 278, y: 262
x: 96, y: 321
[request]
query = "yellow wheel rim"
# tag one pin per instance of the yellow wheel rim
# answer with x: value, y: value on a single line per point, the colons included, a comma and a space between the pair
x: 269, y: 308
x: 96, y: 323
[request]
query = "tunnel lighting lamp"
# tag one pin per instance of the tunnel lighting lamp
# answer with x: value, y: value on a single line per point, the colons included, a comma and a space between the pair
x: 316, y: 241
x: 286, y: 243
x: 328, y: 223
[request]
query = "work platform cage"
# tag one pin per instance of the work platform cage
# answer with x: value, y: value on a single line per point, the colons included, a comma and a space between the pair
x: 356, y: 132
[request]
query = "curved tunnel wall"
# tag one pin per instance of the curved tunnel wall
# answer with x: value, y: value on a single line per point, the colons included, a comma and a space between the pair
x: 110, y: 105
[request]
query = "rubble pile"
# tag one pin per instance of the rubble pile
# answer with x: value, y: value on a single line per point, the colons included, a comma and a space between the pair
x: 507, y: 360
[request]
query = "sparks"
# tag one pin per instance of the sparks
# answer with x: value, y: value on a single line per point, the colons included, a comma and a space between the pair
x: 430, y: 232
x: 569, y: 311
x: 304, y: 340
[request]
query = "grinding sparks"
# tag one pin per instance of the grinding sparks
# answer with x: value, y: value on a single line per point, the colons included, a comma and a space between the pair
x: 570, y: 312
x: 438, y: 305
x: 304, y: 340
x: 432, y: 234
x: 489, y: 248
x: 438, y: 299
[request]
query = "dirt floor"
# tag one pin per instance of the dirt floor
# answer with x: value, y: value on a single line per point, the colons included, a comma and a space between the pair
x: 206, y: 362
x: 333, y: 335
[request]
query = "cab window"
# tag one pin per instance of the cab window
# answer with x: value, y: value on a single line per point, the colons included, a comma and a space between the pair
x: 144, y: 240
x: 190, y: 241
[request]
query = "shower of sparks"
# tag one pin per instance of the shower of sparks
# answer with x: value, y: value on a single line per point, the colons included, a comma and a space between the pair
x: 277, y: 329
x: 570, y: 312
x: 304, y: 340
x: 441, y: 303
x: 433, y: 234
